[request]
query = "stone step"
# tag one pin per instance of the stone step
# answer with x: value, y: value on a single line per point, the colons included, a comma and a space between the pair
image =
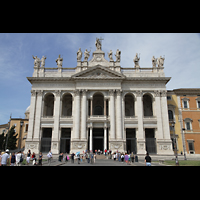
x: 101, y: 156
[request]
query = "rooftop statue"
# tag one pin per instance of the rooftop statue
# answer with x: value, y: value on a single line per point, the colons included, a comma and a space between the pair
x: 160, y: 61
x: 118, y: 55
x: 136, y: 61
x: 43, y: 61
x: 98, y: 43
x: 154, y: 61
x: 110, y: 55
x: 79, y: 54
x: 87, y: 55
x: 59, y: 61
x: 37, y: 61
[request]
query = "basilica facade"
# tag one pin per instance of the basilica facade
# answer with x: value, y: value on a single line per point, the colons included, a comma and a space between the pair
x: 99, y: 105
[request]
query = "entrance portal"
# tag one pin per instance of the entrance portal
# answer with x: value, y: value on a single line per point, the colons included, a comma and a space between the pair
x: 150, y: 140
x: 65, y: 140
x: 98, y: 139
x: 46, y: 140
x: 131, y: 141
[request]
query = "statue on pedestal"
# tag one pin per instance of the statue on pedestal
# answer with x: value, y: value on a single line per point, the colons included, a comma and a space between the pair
x: 110, y: 55
x: 87, y: 55
x: 43, y: 61
x: 98, y: 44
x: 154, y: 61
x: 37, y: 61
x: 160, y: 61
x: 136, y: 61
x: 118, y: 55
x: 59, y: 61
x: 79, y: 54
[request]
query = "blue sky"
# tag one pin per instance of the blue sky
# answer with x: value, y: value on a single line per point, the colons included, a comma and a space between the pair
x: 181, y: 50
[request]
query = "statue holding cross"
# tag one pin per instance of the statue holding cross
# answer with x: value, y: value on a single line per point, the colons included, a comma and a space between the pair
x: 98, y: 43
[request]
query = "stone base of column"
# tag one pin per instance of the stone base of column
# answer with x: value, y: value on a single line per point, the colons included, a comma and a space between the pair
x: 33, y: 146
x: 141, y: 148
x: 55, y: 146
x: 78, y: 145
x: 117, y: 145
x: 164, y: 147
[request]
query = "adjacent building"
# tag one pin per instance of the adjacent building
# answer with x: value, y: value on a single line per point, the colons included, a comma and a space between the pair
x: 188, y: 100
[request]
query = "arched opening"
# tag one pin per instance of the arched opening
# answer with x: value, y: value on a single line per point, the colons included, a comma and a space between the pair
x: 48, y: 105
x: 147, y: 105
x: 67, y: 105
x: 129, y: 105
x: 98, y: 104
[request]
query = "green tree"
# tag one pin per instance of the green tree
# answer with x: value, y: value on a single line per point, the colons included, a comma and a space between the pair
x: 12, y: 139
x: 2, y: 141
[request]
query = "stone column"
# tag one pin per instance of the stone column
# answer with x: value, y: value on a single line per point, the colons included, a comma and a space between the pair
x: 105, y: 136
x: 55, y: 134
x: 91, y: 138
x: 91, y: 107
x: 119, y: 115
x: 31, y: 116
x: 112, y: 115
x: 83, y: 115
x: 140, y: 132
x: 38, y: 116
x: 31, y: 121
x: 76, y: 120
x: 104, y: 107
x: 164, y: 146
x: 158, y: 115
x: 165, y: 119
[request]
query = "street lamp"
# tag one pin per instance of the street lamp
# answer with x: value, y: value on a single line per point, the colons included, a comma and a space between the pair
x: 183, y: 138
x: 175, y: 147
x: 20, y: 137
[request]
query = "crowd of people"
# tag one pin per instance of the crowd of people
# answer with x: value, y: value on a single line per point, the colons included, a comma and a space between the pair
x: 16, y: 159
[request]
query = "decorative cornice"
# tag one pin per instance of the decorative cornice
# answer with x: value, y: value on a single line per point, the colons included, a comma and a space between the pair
x: 46, y: 79
x: 165, y: 79
x: 187, y: 91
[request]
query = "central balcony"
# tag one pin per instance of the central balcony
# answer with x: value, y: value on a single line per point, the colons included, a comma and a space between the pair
x: 99, y: 118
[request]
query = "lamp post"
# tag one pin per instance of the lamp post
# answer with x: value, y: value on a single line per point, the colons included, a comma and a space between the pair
x: 175, y: 147
x: 183, y: 139
x: 20, y: 137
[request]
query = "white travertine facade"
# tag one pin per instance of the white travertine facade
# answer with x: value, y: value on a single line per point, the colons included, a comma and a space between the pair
x: 99, y: 105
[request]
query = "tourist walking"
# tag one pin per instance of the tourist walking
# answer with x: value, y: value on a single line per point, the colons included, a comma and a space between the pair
x: 122, y: 157
x: 49, y: 156
x: 12, y: 159
x: 5, y: 158
x: 40, y: 159
x: 19, y: 158
x: 28, y: 157
x: 147, y: 160
x: 132, y: 157
x: 72, y: 158
x: 126, y: 158
x: 34, y: 159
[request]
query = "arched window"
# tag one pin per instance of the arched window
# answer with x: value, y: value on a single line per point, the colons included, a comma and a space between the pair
x: 98, y: 104
x: 147, y: 105
x: 67, y: 105
x: 129, y: 105
x: 48, y: 105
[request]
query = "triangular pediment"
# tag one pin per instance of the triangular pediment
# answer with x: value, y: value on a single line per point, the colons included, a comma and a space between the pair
x: 98, y: 72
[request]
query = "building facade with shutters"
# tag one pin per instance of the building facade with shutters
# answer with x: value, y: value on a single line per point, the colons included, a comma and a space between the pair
x: 98, y: 105
x: 188, y: 104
